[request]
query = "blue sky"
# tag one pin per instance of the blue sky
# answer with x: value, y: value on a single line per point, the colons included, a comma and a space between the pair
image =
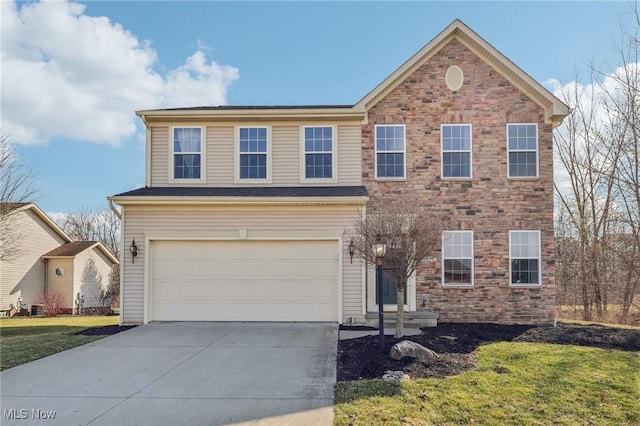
x: 74, y: 74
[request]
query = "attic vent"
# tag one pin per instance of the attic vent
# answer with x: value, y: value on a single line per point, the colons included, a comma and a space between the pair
x: 454, y: 78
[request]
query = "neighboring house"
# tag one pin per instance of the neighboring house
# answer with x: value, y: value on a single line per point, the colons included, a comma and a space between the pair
x: 48, y: 261
x: 247, y: 211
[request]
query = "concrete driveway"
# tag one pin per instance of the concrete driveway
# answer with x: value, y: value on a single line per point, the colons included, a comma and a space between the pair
x: 182, y: 374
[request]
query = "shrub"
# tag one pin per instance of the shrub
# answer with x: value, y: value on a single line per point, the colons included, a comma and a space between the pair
x: 105, y: 298
x: 52, y: 304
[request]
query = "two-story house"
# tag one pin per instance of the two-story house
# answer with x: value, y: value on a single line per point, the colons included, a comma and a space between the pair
x: 246, y: 213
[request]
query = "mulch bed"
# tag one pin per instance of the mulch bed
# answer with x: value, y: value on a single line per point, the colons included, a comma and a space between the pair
x: 105, y: 331
x: 362, y: 359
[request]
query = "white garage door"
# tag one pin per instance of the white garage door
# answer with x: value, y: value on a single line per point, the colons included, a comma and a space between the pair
x: 244, y: 281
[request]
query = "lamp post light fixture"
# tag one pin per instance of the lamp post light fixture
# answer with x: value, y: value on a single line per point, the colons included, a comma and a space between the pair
x: 352, y: 250
x: 133, y: 248
x: 379, y: 250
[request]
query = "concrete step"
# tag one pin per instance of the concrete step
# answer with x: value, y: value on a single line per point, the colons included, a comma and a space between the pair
x: 417, y: 319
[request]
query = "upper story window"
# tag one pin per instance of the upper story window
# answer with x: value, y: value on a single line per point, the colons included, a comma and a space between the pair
x: 524, y: 257
x: 456, y: 150
x: 253, y: 153
x: 390, y: 151
x: 457, y: 258
x: 318, y: 153
x: 522, y: 147
x: 187, y: 153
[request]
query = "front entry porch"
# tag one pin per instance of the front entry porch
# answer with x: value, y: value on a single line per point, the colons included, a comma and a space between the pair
x: 412, y: 317
x: 415, y: 319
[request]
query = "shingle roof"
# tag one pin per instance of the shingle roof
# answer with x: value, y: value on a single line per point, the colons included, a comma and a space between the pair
x: 268, y: 191
x: 70, y: 249
x: 251, y: 107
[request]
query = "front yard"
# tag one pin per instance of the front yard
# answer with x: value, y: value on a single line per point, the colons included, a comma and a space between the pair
x: 481, y: 380
x: 27, y: 339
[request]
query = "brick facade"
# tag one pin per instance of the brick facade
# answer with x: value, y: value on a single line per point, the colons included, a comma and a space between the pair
x: 489, y: 204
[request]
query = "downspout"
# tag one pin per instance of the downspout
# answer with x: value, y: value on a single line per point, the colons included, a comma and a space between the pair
x: 121, y: 259
x: 113, y: 208
x: 147, y: 152
x: 46, y: 275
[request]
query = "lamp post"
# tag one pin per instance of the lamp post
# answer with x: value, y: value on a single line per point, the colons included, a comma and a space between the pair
x: 379, y: 250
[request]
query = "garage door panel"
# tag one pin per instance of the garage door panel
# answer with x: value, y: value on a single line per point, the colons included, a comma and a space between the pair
x: 244, y: 280
x: 273, y: 292
x: 263, y: 270
x: 244, y: 312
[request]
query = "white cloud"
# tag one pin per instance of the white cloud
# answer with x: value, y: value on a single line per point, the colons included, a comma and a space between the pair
x: 66, y: 74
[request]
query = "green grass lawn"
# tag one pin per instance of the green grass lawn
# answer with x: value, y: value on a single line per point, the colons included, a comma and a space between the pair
x: 514, y: 384
x: 26, y: 339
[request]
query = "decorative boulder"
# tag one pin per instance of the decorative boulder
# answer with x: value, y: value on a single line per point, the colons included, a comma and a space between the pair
x: 395, y: 376
x: 411, y: 349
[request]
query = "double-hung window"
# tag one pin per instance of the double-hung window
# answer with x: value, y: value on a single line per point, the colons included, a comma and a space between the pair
x: 524, y: 257
x: 253, y: 152
x: 390, y: 151
x: 522, y: 147
x: 318, y: 152
x: 457, y: 258
x: 187, y: 153
x: 456, y: 150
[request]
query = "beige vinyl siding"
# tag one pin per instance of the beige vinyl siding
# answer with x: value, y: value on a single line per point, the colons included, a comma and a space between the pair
x: 23, y: 276
x: 62, y: 285
x: 132, y: 272
x: 285, y: 152
x: 285, y: 155
x: 92, y: 270
x: 159, y: 156
x: 349, y: 155
x: 220, y: 157
x: 220, y: 223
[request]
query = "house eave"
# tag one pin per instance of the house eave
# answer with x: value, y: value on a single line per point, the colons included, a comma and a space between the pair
x: 252, y: 115
x: 240, y: 201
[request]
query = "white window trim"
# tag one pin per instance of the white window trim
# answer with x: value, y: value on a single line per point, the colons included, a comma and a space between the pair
x: 404, y: 152
x: 539, y: 259
x: 470, y: 151
x: 203, y: 156
x: 334, y: 156
x: 236, y: 158
x: 458, y: 285
x: 537, y: 151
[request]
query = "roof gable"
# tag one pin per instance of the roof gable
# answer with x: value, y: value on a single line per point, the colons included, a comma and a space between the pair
x: 70, y: 249
x: 555, y: 110
x: 74, y: 248
x: 19, y: 207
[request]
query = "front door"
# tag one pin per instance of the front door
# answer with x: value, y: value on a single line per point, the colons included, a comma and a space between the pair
x: 389, y: 296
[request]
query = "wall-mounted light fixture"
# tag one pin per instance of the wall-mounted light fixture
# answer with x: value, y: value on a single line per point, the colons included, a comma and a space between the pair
x: 133, y: 248
x: 352, y: 250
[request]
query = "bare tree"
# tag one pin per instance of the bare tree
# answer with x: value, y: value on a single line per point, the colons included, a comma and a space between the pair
x: 599, y: 147
x: 16, y: 187
x: 94, y: 225
x: 412, y: 232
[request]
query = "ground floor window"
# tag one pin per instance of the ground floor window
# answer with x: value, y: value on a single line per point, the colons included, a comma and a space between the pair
x: 457, y: 258
x: 524, y: 257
